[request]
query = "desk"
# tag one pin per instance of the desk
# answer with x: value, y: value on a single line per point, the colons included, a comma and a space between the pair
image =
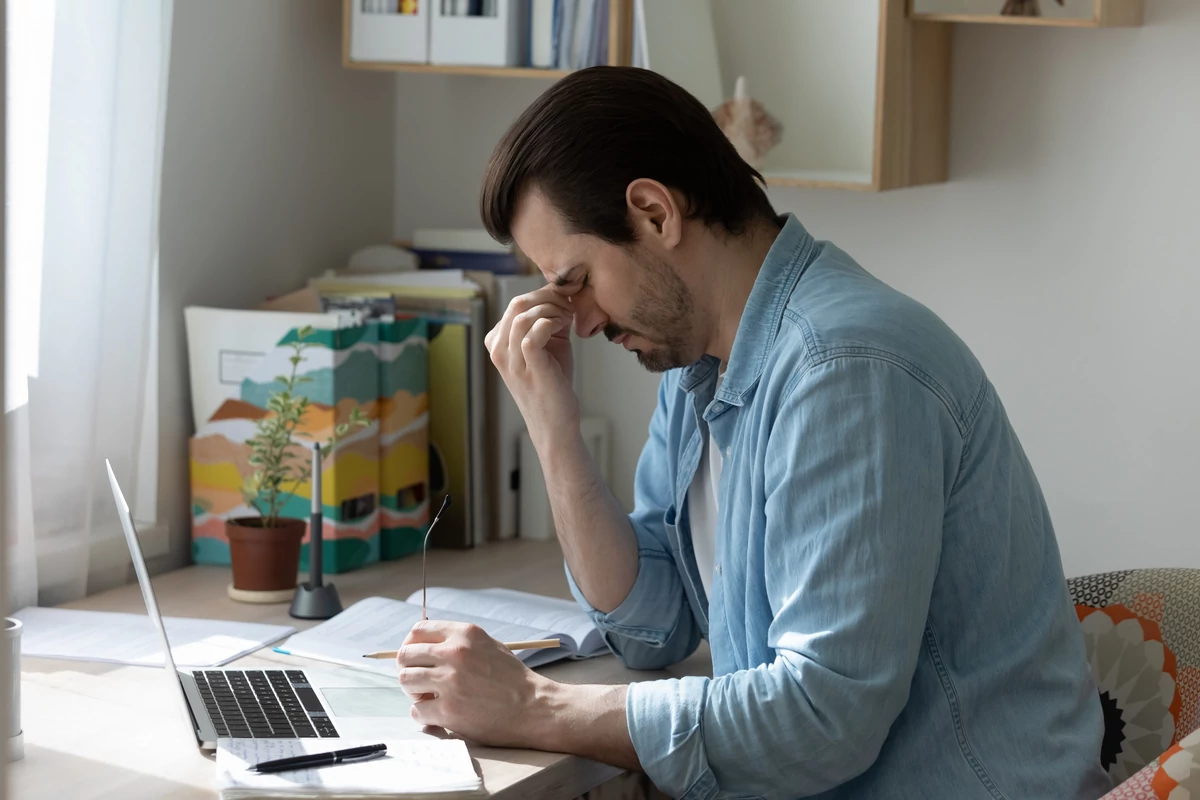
x: 108, y: 731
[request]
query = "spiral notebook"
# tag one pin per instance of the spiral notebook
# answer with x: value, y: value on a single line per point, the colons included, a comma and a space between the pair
x: 419, y: 769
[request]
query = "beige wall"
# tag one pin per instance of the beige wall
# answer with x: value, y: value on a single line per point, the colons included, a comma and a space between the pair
x: 1065, y: 250
x: 277, y: 163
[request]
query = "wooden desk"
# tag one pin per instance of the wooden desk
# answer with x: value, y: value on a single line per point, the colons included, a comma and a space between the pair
x: 107, y: 731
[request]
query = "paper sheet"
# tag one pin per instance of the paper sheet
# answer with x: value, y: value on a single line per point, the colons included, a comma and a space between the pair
x: 131, y: 639
x: 424, y: 768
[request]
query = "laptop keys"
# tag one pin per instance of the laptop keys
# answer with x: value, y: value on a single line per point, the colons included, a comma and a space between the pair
x: 263, y: 704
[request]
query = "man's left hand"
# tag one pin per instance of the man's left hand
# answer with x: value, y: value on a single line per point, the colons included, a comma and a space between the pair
x: 465, y: 681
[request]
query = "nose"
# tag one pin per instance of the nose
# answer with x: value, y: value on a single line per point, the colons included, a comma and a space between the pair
x: 589, y: 319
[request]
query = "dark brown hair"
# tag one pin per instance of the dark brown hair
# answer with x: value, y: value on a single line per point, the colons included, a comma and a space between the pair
x: 590, y: 135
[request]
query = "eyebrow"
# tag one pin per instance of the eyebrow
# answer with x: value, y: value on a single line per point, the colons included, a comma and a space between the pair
x: 566, y: 276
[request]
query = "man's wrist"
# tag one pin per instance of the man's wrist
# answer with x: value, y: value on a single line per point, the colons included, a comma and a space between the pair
x: 582, y: 720
x: 554, y: 448
x: 546, y: 714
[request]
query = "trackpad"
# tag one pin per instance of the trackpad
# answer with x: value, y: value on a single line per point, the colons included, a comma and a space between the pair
x: 376, y: 701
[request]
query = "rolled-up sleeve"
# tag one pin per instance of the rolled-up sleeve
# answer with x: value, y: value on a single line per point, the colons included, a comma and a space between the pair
x: 653, y: 627
x: 859, y: 464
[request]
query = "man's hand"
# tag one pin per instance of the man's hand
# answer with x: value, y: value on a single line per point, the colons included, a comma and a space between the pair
x: 531, y: 348
x: 465, y: 681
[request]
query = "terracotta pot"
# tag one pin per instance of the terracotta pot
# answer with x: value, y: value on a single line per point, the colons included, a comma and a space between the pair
x: 264, y: 559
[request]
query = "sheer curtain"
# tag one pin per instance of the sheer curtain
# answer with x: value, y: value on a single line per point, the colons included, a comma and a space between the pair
x: 86, y: 94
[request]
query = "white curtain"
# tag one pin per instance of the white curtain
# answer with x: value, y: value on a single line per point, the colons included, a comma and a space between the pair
x: 86, y: 100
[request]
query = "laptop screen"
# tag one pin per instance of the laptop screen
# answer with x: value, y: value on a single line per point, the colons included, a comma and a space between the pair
x: 143, y: 576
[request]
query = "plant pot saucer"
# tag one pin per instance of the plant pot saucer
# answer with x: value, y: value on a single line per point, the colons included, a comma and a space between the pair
x: 271, y: 596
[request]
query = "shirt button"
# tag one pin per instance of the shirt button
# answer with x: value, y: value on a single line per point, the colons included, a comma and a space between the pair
x: 718, y: 569
x: 727, y: 452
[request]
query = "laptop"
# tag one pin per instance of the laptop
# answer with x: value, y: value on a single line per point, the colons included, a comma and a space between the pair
x: 285, y: 703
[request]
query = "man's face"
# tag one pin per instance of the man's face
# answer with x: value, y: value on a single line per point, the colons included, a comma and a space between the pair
x: 628, y: 293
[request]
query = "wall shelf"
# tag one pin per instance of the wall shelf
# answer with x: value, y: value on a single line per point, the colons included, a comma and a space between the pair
x: 446, y: 69
x: 873, y: 116
x: 1072, y: 14
x: 619, y: 43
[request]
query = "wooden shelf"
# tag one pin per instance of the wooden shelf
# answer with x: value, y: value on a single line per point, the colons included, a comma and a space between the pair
x: 1104, y: 14
x: 492, y: 72
x: 821, y: 179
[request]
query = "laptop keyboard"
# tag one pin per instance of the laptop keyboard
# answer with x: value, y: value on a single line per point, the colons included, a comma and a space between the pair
x: 263, y: 704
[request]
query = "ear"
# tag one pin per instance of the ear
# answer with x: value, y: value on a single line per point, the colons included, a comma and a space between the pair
x: 654, y: 212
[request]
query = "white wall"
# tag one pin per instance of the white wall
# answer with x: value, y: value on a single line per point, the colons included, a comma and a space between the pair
x: 277, y: 163
x: 1065, y: 250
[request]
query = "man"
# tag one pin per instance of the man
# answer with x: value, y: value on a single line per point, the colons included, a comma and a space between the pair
x: 831, y: 494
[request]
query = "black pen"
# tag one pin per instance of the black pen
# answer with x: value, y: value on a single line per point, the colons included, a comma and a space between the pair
x: 311, y: 760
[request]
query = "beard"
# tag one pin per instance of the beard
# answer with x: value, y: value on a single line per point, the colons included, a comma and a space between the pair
x: 664, y: 315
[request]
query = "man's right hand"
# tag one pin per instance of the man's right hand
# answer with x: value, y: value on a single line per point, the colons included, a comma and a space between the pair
x: 531, y: 347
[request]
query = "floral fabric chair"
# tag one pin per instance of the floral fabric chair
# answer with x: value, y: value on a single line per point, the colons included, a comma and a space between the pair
x: 1142, y: 630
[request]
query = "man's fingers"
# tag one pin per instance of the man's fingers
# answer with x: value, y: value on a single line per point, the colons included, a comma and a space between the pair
x: 546, y: 294
x: 525, y: 321
x: 426, y: 711
x: 539, y: 335
x: 501, y: 334
x: 417, y: 654
x: 432, y: 631
x: 420, y: 681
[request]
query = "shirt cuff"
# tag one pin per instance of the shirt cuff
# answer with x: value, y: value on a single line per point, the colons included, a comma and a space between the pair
x: 653, y: 600
x: 665, y: 721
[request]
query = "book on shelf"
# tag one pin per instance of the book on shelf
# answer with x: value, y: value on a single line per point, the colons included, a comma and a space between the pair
x: 467, y: 249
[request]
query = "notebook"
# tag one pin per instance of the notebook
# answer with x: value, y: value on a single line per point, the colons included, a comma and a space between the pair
x: 412, y: 769
x: 380, y: 623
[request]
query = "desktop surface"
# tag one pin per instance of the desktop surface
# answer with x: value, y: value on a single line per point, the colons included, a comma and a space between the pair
x: 96, y: 730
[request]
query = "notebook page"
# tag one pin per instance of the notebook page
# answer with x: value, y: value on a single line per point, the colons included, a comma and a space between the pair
x: 424, y: 768
x: 565, y: 617
x: 378, y: 623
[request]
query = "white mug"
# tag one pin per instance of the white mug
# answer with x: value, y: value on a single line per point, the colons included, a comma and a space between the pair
x: 10, y: 652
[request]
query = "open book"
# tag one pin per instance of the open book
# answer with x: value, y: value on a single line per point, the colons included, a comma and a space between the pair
x: 379, y: 623
x: 424, y: 768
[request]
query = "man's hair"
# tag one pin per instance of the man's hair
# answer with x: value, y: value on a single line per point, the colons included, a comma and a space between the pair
x: 591, y: 134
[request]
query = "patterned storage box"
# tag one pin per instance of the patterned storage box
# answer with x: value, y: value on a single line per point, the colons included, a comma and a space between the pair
x: 345, y: 371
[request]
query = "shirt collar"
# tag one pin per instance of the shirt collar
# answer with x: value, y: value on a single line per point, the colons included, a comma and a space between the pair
x: 787, y: 259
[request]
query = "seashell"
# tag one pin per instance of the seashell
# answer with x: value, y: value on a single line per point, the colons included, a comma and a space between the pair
x: 751, y: 129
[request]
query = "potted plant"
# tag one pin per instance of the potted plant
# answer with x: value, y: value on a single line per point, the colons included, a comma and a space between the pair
x: 265, y: 550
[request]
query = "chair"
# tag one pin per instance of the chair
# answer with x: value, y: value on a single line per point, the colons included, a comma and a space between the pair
x: 1142, y: 630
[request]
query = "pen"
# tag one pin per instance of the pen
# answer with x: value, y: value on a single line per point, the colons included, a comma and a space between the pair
x: 536, y: 644
x: 311, y: 760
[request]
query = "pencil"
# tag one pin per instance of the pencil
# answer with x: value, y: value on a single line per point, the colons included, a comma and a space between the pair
x: 535, y: 644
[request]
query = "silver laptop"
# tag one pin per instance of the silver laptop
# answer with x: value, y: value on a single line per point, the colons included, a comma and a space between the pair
x: 286, y: 703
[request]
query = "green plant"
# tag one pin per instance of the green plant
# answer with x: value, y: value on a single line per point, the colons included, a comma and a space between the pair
x: 280, y: 465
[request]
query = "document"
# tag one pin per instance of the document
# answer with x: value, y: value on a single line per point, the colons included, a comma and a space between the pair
x: 380, y: 623
x: 420, y: 768
x: 131, y: 639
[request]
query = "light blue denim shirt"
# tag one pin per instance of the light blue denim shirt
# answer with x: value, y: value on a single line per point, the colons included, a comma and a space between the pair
x: 889, y: 617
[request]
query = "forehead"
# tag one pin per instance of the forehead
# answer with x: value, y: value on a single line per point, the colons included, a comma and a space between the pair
x: 540, y: 232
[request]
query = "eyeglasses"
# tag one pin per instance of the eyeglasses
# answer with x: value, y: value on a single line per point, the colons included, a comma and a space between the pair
x: 425, y: 551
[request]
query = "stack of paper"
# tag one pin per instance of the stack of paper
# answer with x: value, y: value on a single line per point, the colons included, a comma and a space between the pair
x: 423, y: 768
x: 131, y: 639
